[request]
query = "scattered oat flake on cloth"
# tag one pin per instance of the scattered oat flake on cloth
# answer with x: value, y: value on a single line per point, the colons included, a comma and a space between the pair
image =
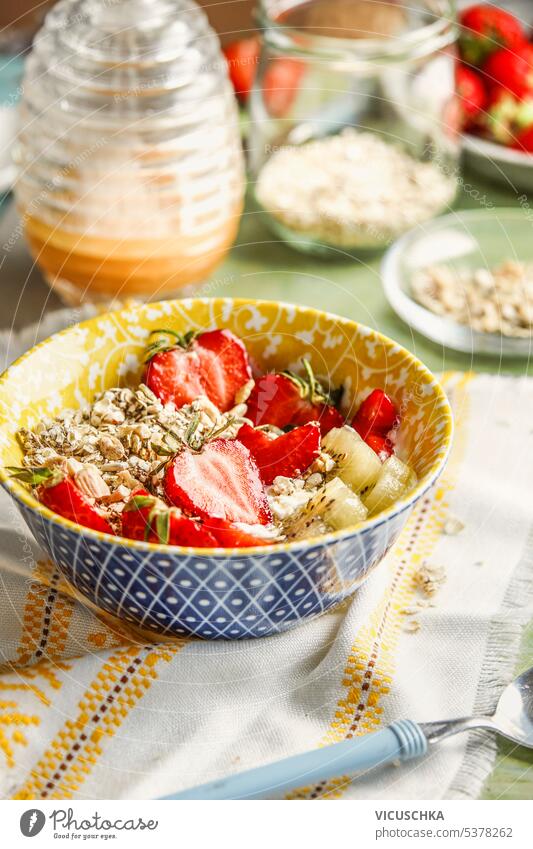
x: 92, y: 710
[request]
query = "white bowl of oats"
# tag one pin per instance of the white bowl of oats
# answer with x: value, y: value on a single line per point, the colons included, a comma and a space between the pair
x: 465, y: 280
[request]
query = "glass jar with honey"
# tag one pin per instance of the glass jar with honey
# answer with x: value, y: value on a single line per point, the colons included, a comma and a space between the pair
x: 130, y: 180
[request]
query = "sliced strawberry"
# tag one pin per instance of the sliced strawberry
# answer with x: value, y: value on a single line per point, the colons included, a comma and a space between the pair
x: 284, y: 399
x: 328, y: 417
x: 66, y: 499
x: 288, y: 455
x: 148, y: 518
x: 137, y: 515
x: 377, y: 414
x: 229, y: 536
x: 380, y: 444
x: 221, y: 480
x: 180, y: 369
x: 190, y: 532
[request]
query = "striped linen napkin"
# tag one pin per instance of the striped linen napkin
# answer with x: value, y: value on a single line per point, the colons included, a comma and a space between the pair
x: 90, y: 710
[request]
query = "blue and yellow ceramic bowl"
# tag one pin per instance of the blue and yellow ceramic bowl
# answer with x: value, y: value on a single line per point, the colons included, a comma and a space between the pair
x: 216, y: 593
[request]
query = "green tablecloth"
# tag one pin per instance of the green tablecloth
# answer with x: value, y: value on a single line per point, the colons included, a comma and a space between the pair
x: 262, y: 267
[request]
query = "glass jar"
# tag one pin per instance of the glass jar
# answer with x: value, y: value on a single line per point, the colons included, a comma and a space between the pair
x: 130, y: 160
x: 354, y: 125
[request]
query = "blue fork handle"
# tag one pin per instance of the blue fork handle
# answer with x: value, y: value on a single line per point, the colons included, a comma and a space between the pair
x: 402, y: 740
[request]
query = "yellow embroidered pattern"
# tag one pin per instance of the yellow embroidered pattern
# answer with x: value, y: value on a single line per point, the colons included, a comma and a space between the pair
x: 120, y: 683
x: 370, y: 665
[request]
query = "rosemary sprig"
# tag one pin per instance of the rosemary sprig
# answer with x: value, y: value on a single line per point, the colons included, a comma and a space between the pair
x: 309, y: 387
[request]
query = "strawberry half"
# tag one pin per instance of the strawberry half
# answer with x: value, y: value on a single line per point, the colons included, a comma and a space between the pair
x: 229, y: 536
x: 284, y: 399
x: 148, y: 518
x: 377, y: 414
x: 380, y: 444
x: 222, y: 480
x: 60, y: 494
x: 181, y: 368
x: 288, y: 455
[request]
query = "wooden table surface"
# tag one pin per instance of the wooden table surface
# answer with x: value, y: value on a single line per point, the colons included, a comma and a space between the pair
x: 259, y: 266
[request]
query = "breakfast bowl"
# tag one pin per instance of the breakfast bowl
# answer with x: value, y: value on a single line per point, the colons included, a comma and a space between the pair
x: 215, y: 593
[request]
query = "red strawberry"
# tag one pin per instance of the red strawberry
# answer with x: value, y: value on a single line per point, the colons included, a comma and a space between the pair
x: 189, y: 532
x: 280, y: 81
x: 214, y: 363
x: 138, y: 515
x: 484, y: 29
x: 379, y: 444
x: 511, y: 69
x: 230, y: 536
x: 280, y: 84
x: 148, y: 518
x: 60, y: 494
x: 221, y: 480
x: 471, y: 94
x: 288, y: 455
x: 377, y: 414
x: 242, y: 58
x: 284, y: 399
x: 524, y: 140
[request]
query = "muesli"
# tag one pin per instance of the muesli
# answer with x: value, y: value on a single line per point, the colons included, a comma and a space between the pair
x: 203, y: 453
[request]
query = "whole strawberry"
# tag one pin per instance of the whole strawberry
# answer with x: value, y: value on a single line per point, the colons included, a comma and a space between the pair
x: 486, y: 28
x: 471, y: 95
x: 512, y: 69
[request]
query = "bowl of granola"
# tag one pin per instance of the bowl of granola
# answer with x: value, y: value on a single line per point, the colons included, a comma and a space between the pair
x: 219, y: 467
x: 465, y: 280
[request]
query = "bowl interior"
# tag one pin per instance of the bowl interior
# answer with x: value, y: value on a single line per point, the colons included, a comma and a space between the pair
x: 71, y: 367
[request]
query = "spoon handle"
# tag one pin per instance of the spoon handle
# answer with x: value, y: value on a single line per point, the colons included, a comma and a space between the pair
x: 399, y: 741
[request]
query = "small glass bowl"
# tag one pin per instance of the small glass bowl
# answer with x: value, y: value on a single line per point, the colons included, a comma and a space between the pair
x: 463, y: 240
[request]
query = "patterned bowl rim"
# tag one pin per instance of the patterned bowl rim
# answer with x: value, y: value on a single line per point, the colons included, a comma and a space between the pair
x: 19, y: 492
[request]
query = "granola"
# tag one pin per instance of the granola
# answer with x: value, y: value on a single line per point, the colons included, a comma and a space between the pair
x: 489, y: 301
